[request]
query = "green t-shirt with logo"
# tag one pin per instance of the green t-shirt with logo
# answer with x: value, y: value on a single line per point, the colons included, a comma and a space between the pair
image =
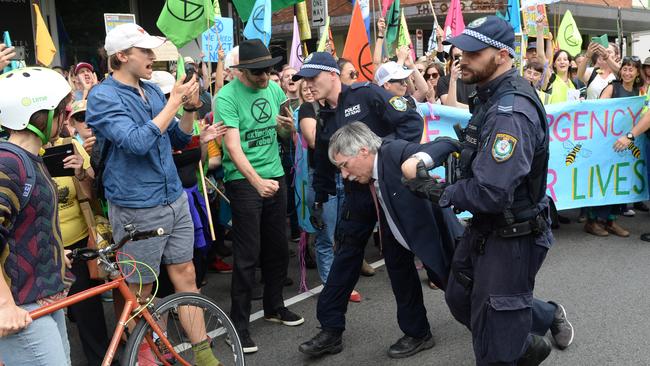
x: 253, y: 112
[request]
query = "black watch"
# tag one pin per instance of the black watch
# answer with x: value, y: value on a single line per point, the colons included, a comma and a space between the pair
x: 630, y: 136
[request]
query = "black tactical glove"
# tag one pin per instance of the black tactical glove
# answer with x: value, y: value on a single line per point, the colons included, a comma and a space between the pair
x: 316, y: 217
x: 424, y: 186
x: 456, y: 145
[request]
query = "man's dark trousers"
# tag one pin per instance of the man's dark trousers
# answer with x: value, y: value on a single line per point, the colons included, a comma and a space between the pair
x: 498, y: 308
x: 355, y: 226
x: 259, y: 233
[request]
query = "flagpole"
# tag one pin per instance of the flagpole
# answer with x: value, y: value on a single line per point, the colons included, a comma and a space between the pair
x: 374, y: 20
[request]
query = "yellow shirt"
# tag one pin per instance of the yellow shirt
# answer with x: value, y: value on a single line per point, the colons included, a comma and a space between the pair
x: 560, y: 90
x: 71, y: 219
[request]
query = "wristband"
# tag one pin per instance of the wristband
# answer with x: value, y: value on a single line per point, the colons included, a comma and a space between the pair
x: 380, y: 37
x: 192, y: 109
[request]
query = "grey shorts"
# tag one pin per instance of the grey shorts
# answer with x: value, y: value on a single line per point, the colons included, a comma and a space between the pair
x: 177, y: 246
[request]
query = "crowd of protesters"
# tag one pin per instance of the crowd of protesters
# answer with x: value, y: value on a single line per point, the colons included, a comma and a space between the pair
x: 127, y: 124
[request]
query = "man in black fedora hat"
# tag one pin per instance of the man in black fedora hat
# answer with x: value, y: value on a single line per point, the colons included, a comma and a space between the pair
x: 250, y: 107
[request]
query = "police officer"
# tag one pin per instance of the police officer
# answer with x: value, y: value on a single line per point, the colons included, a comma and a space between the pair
x: 503, y: 182
x: 388, y: 116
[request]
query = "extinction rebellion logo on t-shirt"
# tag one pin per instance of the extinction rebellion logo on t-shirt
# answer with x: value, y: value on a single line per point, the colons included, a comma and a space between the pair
x: 261, y: 110
x: 260, y: 137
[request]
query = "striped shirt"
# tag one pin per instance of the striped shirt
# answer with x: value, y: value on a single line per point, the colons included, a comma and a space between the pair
x: 31, y: 249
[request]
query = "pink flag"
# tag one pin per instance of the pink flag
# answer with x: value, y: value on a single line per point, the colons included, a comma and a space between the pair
x: 385, y: 4
x: 454, y: 23
x: 295, y: 60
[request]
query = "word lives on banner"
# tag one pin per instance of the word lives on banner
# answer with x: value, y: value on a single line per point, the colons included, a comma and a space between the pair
x: 583, y: 169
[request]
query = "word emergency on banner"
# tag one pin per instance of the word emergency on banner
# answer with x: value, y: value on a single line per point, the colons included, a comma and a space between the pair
x: 221, y: 31
x: 583, y: 169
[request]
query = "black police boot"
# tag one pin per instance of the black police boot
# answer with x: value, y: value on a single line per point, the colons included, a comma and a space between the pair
x: 408, y: 346
x: 324, y: 342
x: 538, y: 349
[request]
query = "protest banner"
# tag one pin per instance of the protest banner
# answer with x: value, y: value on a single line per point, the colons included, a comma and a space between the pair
x: 530, y: 15
x: 221, y: 31
x: 583, y: 168
x: 112, y: 20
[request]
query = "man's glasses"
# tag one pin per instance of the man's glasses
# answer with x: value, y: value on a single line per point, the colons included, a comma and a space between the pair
x: 433, y: 75
x: 398, y: 81
x: 354, y: 74
x: 258, y: 72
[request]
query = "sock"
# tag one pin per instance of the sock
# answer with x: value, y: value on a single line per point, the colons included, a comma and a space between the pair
x: 203, y: 354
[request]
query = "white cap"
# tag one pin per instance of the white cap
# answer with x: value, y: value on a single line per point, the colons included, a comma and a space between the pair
x: 164, y: 80
x: 188, y: 60
x: 130, y: 35
x: 391, y: 71
x: 232, y: 58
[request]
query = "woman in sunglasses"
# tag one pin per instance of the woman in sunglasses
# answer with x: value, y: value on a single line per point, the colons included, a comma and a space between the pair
x: 432, y: 73
x: 349, y: 74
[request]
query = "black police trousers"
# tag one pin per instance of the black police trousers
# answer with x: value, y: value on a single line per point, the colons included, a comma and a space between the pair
x: 498, y: 308
x: 352, y: 233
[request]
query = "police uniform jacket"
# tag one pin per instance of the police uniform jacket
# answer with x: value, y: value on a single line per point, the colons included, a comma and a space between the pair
x: 386, y: 115
x: 511, y: 135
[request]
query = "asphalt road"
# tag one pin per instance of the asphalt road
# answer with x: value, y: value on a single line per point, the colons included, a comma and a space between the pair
x: 602, y: 283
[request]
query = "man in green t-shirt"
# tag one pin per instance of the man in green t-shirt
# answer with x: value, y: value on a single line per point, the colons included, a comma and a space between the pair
x: 250, y: 107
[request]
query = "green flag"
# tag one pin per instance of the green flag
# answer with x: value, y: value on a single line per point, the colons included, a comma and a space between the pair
x: 404, y: 39
x: 392, y: 25
x: 568, y: 35
x: 245, y: 7
x: 181, y: 21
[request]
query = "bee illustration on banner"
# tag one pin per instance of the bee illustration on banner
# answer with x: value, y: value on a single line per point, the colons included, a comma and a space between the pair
x: 634, y: 150
x: 575, y: 150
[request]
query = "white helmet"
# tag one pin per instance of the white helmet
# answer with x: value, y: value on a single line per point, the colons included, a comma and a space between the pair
x: 28, y: 90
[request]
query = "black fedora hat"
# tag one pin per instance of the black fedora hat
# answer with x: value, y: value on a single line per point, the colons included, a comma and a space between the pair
x: 253, y: 54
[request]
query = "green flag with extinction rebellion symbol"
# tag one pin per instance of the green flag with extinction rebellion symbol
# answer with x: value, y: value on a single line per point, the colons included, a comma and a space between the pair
x: 183, y: 20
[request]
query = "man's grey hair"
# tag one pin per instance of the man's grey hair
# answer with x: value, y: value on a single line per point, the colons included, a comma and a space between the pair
x: 349, y: 139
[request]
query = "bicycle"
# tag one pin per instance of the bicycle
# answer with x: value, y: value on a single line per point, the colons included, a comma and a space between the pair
x: 158, y: 337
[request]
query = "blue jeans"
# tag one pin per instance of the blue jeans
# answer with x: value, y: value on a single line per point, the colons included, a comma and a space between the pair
x: 324, y: 242
x: 44, y: 342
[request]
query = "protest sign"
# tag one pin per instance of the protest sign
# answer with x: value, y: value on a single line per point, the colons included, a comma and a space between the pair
x: 221, y: 31
x: 583, y: 168
x: 530, y: 14
x: 113, y: 20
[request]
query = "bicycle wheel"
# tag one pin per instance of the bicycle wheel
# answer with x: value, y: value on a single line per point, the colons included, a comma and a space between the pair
x: 190, y: 306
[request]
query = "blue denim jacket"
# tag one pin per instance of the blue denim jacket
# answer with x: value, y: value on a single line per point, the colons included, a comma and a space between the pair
x: 139, y: 170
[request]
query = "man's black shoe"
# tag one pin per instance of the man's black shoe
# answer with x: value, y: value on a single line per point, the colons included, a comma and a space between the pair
x: 408, y: 346
x: 324, y: 342
x: 538, y: 349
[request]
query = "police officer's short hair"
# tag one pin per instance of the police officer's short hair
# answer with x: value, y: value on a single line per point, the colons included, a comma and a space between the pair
x: 349, y: 139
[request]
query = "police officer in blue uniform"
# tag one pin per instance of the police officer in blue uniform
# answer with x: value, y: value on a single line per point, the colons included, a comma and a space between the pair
x: 503, y: 167
x: 388, y: 117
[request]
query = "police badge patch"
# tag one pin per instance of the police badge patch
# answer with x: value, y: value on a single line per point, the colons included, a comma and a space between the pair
x: 503, y: 147
x: 398, y: 103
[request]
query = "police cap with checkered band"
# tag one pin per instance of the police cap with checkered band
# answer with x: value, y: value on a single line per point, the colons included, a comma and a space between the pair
x: 490, y: 31
x: 316, y: 63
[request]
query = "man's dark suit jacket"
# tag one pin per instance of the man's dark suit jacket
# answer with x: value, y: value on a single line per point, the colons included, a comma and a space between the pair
x: 430, y: 231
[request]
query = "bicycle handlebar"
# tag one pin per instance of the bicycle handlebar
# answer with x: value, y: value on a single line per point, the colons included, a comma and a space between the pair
x: 86, y: 254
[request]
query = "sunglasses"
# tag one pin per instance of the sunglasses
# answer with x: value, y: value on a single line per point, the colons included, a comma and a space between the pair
x: 400, y: 81
x: 632, y: 58
x: 434, y: 75
x: 258, y: 72
x: 354, y: 74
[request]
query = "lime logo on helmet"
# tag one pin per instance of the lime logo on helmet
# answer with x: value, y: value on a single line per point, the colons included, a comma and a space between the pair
x: 27, y: 102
